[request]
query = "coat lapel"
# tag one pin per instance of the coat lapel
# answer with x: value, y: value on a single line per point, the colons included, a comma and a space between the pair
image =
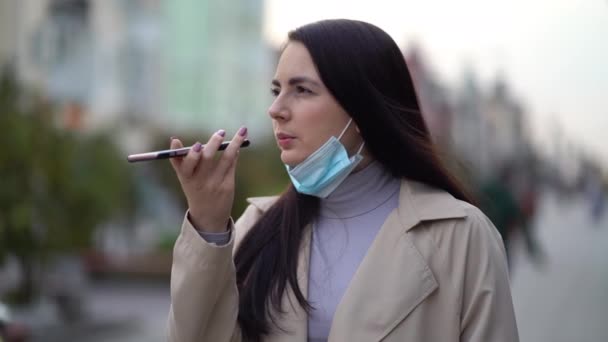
x: 391, y: 281
x: 393, y: 277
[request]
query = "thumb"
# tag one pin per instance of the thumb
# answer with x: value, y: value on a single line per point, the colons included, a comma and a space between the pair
x: 176, y: 162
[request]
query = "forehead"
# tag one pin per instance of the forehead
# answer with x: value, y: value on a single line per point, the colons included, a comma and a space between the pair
x: 295, y: 61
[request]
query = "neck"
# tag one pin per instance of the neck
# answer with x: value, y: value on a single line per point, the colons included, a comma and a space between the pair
x: 363, y: 163
x: 360, y: 192
x: 367, y: 159
x: 354, y: 149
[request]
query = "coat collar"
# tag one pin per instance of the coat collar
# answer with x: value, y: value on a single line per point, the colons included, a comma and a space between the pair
x: 418, y: 202
x: 390, y: 282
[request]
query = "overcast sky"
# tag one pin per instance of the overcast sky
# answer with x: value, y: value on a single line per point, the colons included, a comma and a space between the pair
x: 554, y: 53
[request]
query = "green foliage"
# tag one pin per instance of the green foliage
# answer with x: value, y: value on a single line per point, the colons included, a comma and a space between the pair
x: 56, y: 186
x: 166, y: 242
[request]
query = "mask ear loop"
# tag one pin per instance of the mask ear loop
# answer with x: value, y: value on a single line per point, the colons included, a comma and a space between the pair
x: 345, y: 128
x: 363, y: 143
x: 361, y: 148
x: 344, y: 131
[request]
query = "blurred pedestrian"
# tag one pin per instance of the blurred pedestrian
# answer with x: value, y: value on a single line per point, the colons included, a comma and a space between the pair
x: 527, y: 196
x: 373, y: 240
x: 596, y: 192
x: 498, y: 202
x: 510, y: 199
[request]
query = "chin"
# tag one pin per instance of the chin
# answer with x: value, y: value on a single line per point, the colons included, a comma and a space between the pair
x: 288, y: 158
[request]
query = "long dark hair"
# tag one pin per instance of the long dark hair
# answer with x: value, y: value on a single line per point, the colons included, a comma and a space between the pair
x: 366, y: 72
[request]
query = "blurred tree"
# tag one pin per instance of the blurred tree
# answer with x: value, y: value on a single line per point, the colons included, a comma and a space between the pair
x: 56, y: 187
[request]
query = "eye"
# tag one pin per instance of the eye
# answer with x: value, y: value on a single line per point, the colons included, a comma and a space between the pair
x: 275, y: 91
x: 302, y: 90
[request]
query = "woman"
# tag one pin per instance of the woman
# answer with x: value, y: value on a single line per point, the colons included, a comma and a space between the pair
x: 374, y: 240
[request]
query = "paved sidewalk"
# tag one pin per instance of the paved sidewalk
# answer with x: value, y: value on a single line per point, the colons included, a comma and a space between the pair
x: 117, y: 311
x: 566, y: 299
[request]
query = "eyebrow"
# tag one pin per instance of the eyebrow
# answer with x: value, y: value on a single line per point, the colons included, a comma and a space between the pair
x: 297, y: 80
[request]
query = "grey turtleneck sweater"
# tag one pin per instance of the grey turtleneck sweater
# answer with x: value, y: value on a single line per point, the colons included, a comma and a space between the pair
x: 347, y: 224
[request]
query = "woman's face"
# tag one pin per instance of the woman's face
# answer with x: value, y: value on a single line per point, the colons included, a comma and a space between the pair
x: 304, y: 114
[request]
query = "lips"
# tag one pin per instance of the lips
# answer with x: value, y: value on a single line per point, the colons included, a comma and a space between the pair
x: 282, y: 136
x: 284, y: 140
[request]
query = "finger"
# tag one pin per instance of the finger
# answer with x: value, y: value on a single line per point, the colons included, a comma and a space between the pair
x: 231, y: 152
x: 191, y: 160
x: 175, y: 162
x: 231, y: 171
x: 210, y: 149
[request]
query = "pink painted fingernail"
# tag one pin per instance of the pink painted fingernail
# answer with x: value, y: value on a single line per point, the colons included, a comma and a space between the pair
x: 243, y: 131
x: 221, y: 133
x: 197, y: 147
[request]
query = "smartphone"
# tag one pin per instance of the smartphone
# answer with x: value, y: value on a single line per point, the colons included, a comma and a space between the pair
x: 164, y: 154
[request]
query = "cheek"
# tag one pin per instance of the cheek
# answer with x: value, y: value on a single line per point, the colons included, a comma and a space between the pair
x: 303, y: 148
x: 315, y: 125
x: 315, y: 121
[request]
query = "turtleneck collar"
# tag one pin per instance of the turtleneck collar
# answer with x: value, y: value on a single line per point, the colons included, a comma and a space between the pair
x: 360, y: 193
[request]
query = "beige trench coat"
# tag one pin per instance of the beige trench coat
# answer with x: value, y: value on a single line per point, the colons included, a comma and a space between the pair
x: 435, y: 272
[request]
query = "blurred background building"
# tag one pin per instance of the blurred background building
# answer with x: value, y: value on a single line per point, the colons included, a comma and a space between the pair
x: 144, y: 62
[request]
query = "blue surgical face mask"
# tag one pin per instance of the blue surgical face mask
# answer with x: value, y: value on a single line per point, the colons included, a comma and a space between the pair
x: 325, y: 169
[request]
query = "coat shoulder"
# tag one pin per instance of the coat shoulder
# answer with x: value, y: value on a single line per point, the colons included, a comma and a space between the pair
x: 473, y: 232
x: 477, y: 222
x: 263, y: 203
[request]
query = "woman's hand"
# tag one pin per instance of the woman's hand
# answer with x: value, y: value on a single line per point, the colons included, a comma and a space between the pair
x: 208, y: 181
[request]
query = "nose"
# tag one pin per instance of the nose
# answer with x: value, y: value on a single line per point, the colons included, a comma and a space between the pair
x: 278, y: 110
